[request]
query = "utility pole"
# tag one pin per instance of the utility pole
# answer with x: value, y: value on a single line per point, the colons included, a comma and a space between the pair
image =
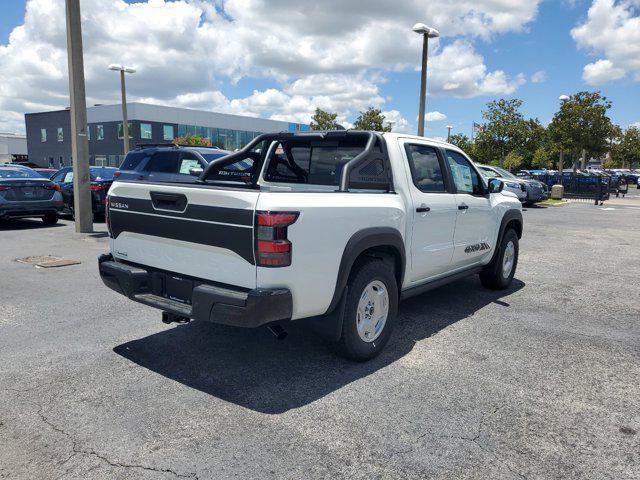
x: 79, y: 142
x: 449, y: 127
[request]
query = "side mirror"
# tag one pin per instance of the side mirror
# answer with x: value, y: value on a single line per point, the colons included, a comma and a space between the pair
x: 495, y: 185
x: 195, y: 171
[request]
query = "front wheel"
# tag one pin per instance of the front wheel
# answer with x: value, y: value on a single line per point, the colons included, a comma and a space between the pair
x: 499, y: 273
x: 370, y: 310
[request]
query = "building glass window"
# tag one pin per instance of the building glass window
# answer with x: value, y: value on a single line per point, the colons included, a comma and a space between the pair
x: 121, y: 130
x: 43, y: 134
x: 182, y: 130
x: 191, y: 129
x: 60, y: 134
x: 99, y: 132
x: 167, y: 132
x: 145, y: 131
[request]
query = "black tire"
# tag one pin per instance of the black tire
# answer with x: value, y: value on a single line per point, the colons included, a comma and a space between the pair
x: 492, y: 276
x: 351, y: 344
x: 50, y: 218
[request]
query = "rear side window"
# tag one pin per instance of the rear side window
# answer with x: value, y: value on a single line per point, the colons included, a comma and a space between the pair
x: 132, y: 160
x: 426, y: 169
x: 163, y: 162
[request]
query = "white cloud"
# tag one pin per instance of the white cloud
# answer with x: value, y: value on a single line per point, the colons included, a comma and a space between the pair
x: 459, y: 71
x: 398, y: 123
x: 435, y: 117
x: 332, y: 54
x: 612, y: 29
x: 539, y: 77
x: 600, y: 72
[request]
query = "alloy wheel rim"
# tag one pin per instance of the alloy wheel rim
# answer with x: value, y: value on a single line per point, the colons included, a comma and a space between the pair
x: 372, y: 312
x: 508, y: 259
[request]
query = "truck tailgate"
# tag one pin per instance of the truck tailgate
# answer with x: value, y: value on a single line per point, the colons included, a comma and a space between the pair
x: 199, y: 231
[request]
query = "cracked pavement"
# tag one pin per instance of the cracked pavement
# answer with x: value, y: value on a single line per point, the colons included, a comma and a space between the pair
x: 539, y: 382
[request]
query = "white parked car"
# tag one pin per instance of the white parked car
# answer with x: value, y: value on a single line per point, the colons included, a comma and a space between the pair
x: 331, y: 228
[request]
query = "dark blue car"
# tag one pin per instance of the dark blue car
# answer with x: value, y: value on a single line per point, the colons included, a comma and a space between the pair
x: 101, y: 180
x: 170, y: 163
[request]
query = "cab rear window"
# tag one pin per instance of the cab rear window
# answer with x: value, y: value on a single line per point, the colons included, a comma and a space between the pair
x: 132, y: 160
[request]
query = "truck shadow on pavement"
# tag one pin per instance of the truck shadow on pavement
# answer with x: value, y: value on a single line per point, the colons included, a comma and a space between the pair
x: 252, y: 369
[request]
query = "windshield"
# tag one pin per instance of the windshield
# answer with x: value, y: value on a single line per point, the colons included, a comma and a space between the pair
x: 505, y: 173
x: 99, y: 174
x: 19, y: 173
x: 487, y: 173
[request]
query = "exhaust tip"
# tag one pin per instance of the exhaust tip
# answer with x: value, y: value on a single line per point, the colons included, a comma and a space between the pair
x: 278, y: 332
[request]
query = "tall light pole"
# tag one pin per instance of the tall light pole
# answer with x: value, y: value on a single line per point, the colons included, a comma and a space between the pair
x: 125, y: 121
x: 79, y: 142
x: 427, y: 33
x: 562, y: 98
x: 449, y: 127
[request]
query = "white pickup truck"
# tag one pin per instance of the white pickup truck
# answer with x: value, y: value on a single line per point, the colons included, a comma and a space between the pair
x: 332, y: 227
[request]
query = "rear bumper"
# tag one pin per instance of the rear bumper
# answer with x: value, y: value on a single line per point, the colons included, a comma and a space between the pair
x: 209, y: 302
x: 29, y: 209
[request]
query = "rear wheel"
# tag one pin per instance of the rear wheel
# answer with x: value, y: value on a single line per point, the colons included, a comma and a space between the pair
x: 50, y: 218
x: 370, y: 310
x: 499, y: 274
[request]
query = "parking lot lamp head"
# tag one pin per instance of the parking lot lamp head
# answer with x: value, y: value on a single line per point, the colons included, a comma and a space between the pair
x: 564, y: 98
x: 427, y: 33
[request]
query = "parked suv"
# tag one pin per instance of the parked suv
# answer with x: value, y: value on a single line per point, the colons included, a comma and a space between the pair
x: 332, y: 229
x: 167, y: 163
x: 534, y: 190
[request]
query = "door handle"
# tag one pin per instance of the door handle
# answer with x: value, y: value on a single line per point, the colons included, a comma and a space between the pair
x: 423, y: 209
x: 463, y: 206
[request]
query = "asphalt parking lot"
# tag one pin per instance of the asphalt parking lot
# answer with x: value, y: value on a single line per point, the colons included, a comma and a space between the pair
x: 538, y: 382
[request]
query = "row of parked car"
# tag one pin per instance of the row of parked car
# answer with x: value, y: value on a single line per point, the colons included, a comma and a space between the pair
x: 48, y: 193
x: 609, y: 181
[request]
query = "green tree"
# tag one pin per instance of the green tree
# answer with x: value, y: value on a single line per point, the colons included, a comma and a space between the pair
x: 372, y: 119
x: 542, y: 158
x: 582, y: 123
x: 461, y: 141
x: 322, y: 120
x: 193, y: 140
x: 626, y: 152
x: 513, y: 161
x: 503, y: 130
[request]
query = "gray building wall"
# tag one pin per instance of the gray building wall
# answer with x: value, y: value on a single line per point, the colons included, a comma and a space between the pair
x: 43, y: 153
x: 109, y: 150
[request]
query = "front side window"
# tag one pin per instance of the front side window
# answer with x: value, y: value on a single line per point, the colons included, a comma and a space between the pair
x: 121, y: 130
x: 465, y: 178
x: 60, y: 134
x: 100, y: 132
x: 145, y: 131
x: 43, y: 134
x: 187, y: 162
x: 167, y: 132
x: 425, y: 168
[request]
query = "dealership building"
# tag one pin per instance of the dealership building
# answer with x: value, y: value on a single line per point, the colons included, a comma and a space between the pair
x: 49, y: 133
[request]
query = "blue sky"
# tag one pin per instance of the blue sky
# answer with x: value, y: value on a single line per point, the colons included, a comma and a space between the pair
x: 249, y: 76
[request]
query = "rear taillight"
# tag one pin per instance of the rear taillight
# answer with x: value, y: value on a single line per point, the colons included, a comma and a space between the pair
x: 117, y: 173
x: 53, y: 186
x: 4, y: 188
x: 96, y: 187
x: 273, y: 249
